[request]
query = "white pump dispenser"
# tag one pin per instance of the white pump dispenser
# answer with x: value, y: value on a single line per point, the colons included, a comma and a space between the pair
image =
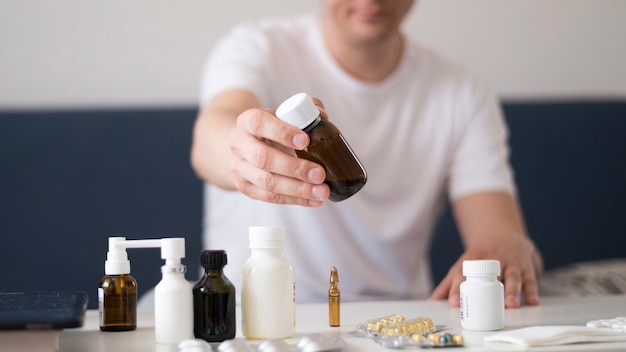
x: 173, y: 300
x: 117, y: 262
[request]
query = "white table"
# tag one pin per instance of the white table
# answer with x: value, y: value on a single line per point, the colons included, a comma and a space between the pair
x: 313, y: 318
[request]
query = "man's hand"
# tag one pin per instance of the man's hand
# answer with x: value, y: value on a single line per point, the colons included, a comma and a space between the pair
x: 492, y: 228
x: 237, y: 145
x: 520, y: 267
x: 264, y: 166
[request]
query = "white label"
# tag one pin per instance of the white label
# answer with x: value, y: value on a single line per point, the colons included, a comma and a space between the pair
x: 101, y: 305
x: 482, y: 307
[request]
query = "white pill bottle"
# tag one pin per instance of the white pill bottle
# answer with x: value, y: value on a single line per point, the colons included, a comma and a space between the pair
x: 268, y: 300
x: 482, y: 296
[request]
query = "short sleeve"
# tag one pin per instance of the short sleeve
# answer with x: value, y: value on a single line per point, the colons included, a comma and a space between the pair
x: 236, y: 61
x: 481, y: 154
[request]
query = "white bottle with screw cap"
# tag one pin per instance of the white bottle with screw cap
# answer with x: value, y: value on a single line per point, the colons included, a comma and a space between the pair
x: 482, y: 296
x: 268, y: 289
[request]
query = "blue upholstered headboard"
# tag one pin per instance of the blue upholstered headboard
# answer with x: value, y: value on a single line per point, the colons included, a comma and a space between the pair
x: 70, y: 179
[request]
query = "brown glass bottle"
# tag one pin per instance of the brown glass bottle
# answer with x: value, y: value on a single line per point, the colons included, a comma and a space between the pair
x: 214, y: 300
x: 117, y: 297
x: 345, y: 175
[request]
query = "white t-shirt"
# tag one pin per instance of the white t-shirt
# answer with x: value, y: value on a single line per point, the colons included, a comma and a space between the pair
x: 427, y: 131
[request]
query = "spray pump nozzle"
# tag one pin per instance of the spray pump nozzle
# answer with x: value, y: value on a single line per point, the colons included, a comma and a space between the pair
x: 117, y: 263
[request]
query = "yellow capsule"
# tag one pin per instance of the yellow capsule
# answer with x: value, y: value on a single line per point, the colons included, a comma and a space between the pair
x: 417, y: 338
x: 398, y: 325
x: 423, y: 326
x: 377, y: 323
x: 383, y: 320
x: 458, y: 339
x: 399, y: 330
x: 380, y: 324
x: 420, y: 327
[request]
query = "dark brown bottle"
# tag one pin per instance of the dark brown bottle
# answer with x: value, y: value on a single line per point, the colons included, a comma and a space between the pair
x: 117, y: 296
x: 214, y: 300
x: 345, y: 175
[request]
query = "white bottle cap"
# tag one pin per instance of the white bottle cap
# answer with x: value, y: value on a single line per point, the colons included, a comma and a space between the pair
x: 298, y: 110
x: 266, y: 236
x: 481, y: 267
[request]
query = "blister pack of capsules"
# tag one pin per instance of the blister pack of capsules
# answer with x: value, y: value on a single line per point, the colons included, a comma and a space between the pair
x: 308, y: 343
x: 396, y: 331
x: 615, y: 324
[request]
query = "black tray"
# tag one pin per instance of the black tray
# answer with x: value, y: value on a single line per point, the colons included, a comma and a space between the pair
x: 42, y: 310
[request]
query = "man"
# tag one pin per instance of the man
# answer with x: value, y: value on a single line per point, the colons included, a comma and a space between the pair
x: 423, y: 128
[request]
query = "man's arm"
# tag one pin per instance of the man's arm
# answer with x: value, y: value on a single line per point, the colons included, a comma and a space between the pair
x: 492, y: 227
x: 212, y: 131
x: 239, y: 146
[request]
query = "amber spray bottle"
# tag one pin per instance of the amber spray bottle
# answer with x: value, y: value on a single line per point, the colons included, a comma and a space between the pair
x: 345, y: 175
x: 117, y: 292
x: 334, y: 299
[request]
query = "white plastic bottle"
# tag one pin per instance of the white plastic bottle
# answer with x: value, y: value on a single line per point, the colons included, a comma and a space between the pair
x: 268, y: 299
x: 482, y: 296
x: 173, y: 296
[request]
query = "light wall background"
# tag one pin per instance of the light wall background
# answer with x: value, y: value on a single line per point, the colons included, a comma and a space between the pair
x: 126, y: 53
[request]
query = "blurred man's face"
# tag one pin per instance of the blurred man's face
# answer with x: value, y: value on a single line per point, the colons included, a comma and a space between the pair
x: 364, y: 21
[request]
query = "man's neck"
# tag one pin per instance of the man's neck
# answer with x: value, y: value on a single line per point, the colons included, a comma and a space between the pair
x: 369, y: 63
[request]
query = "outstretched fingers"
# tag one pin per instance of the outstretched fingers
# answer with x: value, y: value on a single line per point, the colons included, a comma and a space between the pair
x: 264, y: 165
